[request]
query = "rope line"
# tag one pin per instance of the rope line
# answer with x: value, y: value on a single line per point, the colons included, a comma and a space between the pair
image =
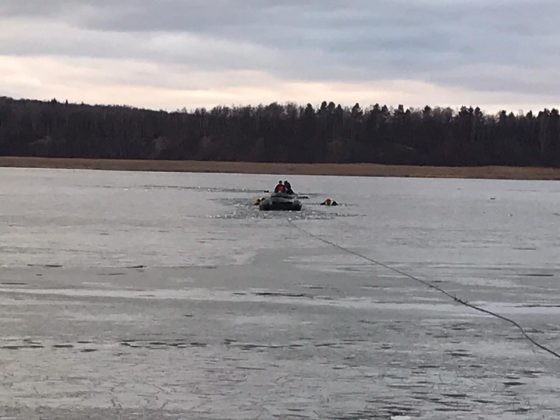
x: 430, y: 285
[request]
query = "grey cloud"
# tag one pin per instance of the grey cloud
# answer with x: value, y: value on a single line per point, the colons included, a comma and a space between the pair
x: 457, y: 43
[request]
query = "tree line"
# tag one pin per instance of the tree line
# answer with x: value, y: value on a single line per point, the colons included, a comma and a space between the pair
x: 276, y: 132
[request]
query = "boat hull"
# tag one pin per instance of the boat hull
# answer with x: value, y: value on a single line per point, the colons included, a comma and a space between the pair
x: 281, y: 202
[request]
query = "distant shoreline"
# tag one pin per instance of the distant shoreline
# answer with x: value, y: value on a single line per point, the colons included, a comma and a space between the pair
x: 339, y: 169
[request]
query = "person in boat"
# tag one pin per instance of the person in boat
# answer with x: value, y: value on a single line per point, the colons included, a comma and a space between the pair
x: 288, y: 187
x: 329, y: 202
x: 280, y: 188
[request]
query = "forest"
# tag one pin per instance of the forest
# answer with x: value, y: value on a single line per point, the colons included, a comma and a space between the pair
x: 288, y: 132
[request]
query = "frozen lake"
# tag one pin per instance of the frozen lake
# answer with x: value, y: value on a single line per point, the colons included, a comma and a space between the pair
x: 169, y: 295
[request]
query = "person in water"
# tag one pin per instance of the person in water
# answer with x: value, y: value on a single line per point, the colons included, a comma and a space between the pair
x: 288, y: 187
x: 329, y: 202
x: 280, y: 188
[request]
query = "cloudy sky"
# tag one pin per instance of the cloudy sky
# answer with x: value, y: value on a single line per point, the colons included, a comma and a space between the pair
x: 170, y: 54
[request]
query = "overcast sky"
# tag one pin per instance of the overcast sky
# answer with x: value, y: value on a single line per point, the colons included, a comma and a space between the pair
x: 171, y: 54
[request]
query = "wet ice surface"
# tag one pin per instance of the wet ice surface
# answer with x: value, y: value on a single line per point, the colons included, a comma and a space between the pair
x: 130, y: 295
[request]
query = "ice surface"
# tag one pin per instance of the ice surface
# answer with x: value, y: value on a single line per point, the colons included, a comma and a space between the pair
x: 167, y: 295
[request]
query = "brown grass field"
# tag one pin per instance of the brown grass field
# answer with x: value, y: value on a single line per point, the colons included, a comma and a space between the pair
x: 353, y: 169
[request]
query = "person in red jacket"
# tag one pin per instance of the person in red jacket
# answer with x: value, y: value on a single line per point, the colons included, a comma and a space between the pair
x: 280, y: 188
